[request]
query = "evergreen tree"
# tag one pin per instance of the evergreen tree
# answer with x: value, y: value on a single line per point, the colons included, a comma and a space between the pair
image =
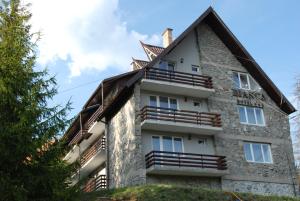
x: 31, y: 165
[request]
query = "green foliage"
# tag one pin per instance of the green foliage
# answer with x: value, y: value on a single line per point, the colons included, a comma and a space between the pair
x: 175, y: 193
x: 31, y: 165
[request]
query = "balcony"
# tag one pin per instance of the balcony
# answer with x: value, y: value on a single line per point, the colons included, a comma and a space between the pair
x: 95, y: 184
x: 180, y: 83
x: 85, y: 132
x: 184, y: 121
x: 85, y: 136
x: 189, y: 164
x: 93, y: 157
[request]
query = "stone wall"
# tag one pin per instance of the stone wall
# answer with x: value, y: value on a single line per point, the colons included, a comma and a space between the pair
x: 277, y: 178
x: 192, y: 181
x: 126, y: 161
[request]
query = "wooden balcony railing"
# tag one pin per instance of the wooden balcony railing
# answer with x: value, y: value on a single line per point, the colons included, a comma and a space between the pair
x: 93, y: 150
x: 94, y: 117
x: 77, y: 137
x: 178, y: 159
x: 178, y: 77
x: 80, y: 134
x: 95, y: 184
x: 184, y: 116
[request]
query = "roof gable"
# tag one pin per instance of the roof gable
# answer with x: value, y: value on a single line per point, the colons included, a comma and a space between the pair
x: 211, y: 18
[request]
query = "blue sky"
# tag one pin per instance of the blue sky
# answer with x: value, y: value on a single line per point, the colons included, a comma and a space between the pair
x: 84, y: 43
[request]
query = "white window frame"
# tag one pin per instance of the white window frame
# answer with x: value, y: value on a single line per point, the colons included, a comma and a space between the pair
x: 262, y: 152
x: 168, y: 63
x: 161, y: 142
x: 158, y: 102
x: 195, y: 66
x: 245, y: 110
x: 240, y: 83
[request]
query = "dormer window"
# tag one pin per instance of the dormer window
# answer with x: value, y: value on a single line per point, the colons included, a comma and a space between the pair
x: 244, y: 81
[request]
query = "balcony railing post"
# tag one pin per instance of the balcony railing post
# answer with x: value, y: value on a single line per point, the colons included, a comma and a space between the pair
x: 193, y: 81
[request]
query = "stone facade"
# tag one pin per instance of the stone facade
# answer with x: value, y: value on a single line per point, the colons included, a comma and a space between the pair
x: 218, y: 62
x: 192, y: 181
x: 125, y: 158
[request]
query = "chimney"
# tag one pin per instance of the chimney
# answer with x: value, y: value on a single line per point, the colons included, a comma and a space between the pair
x: 167, y: 37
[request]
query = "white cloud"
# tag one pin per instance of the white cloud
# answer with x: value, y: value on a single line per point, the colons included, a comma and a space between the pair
x: 89, y: 35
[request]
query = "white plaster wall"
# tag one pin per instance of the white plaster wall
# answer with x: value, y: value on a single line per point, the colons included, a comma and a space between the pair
x: 184, y: 103
x: 190, y: 145
x: 187, y: 50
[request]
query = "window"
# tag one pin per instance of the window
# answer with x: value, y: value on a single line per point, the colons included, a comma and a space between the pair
x: 257, y: 152
x: 244, y: 81
x: 164, y: 102
x: 155, y: 143
x: 195, y: 68
x: 251, y: 115
x: 167, y: 65
x: 197, y: 104
x: 167, y: 143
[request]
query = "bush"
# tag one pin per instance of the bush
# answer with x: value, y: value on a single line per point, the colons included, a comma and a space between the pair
x: 176, y: 193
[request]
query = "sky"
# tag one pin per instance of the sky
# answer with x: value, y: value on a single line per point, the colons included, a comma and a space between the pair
x: 84, y: 42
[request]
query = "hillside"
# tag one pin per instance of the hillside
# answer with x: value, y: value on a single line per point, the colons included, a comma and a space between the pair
x: 175, y: 193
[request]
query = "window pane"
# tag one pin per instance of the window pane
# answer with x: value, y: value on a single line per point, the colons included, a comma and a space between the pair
x: 253, y: 85
x: 258, y: 157
x: 153, y: 102
x: 155, y: 143
x: 250, y: 115
x: 259, y: 116
x: 244, y: 81
x: 167, y: 143
x: 267, y: 154
x: 163, y: 101
x: 163, y: 65
x: 242, y: 115
x: 236, y: 80
x: 173, y: 103
x: 247, y: 151
x: 171, y: 66
x: 178, y: 145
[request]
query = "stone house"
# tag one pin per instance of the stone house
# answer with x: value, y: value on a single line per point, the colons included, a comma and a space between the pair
x: 200, y: 112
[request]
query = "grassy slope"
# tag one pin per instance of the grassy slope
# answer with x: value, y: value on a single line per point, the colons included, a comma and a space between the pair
x: 175, y: 193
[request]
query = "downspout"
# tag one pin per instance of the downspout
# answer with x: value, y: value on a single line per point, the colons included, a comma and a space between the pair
x: 106, y: 139
x: 80, y: 122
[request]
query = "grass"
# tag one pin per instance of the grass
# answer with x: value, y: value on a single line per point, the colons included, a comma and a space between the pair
x: 175, y: 193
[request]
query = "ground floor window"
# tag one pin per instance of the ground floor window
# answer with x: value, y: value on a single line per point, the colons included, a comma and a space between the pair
x: 258, y: 152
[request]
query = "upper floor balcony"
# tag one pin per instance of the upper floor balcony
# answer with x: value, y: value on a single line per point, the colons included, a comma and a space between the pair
x: 93, y: 157
x: 177, y: 163
x: 96, y: 183
x: 184, y: 121
x: 84, y: 131
x: 175, y: 82
x: 85, y: 136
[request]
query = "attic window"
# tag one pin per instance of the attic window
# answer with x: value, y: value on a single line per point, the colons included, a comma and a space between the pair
x: 244, y: 81
x: 195, y: 68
